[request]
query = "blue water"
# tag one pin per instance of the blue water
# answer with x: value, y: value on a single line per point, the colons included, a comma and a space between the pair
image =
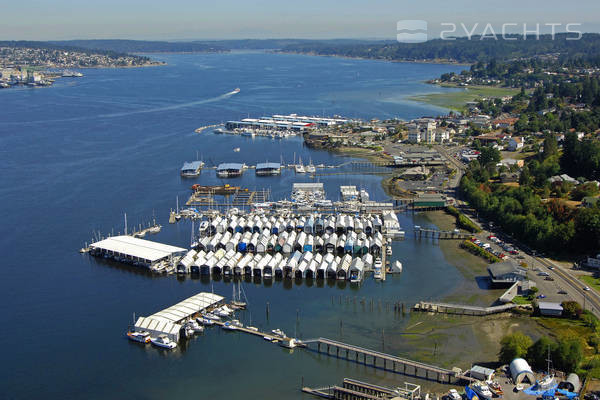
x: 76, y: 156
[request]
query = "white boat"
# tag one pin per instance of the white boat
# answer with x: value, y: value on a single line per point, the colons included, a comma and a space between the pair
x: 236, y: 149
x: 195, y: 326
x: 377, y: 273
x: 205, y: 321
x: 454, y: 395
x: 164, y: 342
x: 310, y: 169
x: 482, y: 390
x: 232, y: 325
x: 388, y: 250
x: 278, y: 332
x: 222, y: 312
x: 140, y: 337
x: 235, y: 91
x: 212, y: 317
x: 547, y: 382
x: 299, y: 167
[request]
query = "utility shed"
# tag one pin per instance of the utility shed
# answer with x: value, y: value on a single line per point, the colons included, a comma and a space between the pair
x: 481, y: 373
x: 520, y: 371
x: 551, y: 309
x: 129, y: 248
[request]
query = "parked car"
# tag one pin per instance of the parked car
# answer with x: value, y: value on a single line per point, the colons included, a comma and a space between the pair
x: 562, y: 291
x: 548, y: 278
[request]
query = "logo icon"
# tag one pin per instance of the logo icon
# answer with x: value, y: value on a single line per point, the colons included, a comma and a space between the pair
x: 411, y: 31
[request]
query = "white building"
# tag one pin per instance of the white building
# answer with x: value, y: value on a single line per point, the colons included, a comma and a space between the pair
x: 414, y: 135
x: 593, y: 262
x: 515, y: 143
x: 442, y: 136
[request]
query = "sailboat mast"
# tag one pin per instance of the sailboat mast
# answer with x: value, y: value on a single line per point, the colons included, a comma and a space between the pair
x: 125, y: 214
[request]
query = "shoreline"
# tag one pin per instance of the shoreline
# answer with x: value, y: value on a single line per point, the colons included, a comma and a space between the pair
x: 313, y: 54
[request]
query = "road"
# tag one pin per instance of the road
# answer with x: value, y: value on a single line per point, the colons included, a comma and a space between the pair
x: 562, y: 278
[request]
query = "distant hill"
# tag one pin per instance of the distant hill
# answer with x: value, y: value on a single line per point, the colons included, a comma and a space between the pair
x: 143, y: 46
x: 459, y: 50
x: 196, y: 46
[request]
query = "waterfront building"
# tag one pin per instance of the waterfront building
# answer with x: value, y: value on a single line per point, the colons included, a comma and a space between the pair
x: 550, y: 309
x: 506, y: 272
x: 230, y: 170
x: 268, y: 168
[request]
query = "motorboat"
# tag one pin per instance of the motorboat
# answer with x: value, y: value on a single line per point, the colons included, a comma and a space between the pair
x: 483, y: 391
x: 236, y: 149
x: 388, y: 250
x: 278, y: 332
x: 547, y: 382
x: 195, y: 326
x: 232, y: 325
x: 140, y: 337
x: 205, y: 321
x: 377, y: 273
x: 163, y: 341
x: 212, y: 317
x: 495, y: 388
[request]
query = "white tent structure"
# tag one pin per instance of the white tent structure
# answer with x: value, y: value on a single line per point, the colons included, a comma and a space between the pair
x: 520, y: 371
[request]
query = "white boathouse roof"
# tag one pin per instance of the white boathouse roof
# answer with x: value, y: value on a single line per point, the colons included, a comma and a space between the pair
x: 135, y: 247
x: 188, y: 307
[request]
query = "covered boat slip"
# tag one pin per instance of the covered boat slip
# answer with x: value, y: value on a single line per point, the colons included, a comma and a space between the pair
x: 138, y: 251
x: 168, y: 321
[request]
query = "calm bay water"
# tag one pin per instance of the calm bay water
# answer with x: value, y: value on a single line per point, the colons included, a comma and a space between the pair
x: 77, y: 155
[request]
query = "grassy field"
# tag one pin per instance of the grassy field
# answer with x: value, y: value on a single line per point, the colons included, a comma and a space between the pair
x: 457, y: 100
x: 591, y: 281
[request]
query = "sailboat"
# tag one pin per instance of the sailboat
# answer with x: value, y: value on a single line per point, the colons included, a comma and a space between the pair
x: 237, y: 300
x: 299, y: 167
x: 310, y: 168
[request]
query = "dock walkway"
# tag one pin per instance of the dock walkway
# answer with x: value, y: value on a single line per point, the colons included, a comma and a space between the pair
x: 387, y: 361
x: 461, y: 309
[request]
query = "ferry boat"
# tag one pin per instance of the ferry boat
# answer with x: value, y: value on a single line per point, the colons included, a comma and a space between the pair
x: 140, y: 337
x: 164, y: 342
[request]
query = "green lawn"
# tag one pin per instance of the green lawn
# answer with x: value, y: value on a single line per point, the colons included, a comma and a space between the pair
x: 591, y: 281
x: 457, y: 100
x: 521, y: 300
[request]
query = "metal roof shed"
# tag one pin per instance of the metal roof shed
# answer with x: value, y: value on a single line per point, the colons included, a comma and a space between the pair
x: 481, y: 373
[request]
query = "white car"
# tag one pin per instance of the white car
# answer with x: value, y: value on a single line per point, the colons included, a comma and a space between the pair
x: 453, y: 395
x: 587, y: 288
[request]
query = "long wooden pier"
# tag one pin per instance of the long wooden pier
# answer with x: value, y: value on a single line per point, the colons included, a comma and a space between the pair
x: 438, y: 234
x: 461, y: 309
x: 387, y: 362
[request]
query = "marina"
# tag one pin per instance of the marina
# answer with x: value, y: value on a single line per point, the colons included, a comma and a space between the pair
x: 147, y: 133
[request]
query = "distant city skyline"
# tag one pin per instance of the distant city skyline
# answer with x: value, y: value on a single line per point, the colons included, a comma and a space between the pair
x: 234, y: 19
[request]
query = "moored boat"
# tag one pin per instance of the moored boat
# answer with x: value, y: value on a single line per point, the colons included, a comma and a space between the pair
x: 140, y: 337
x: 164, y: 342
